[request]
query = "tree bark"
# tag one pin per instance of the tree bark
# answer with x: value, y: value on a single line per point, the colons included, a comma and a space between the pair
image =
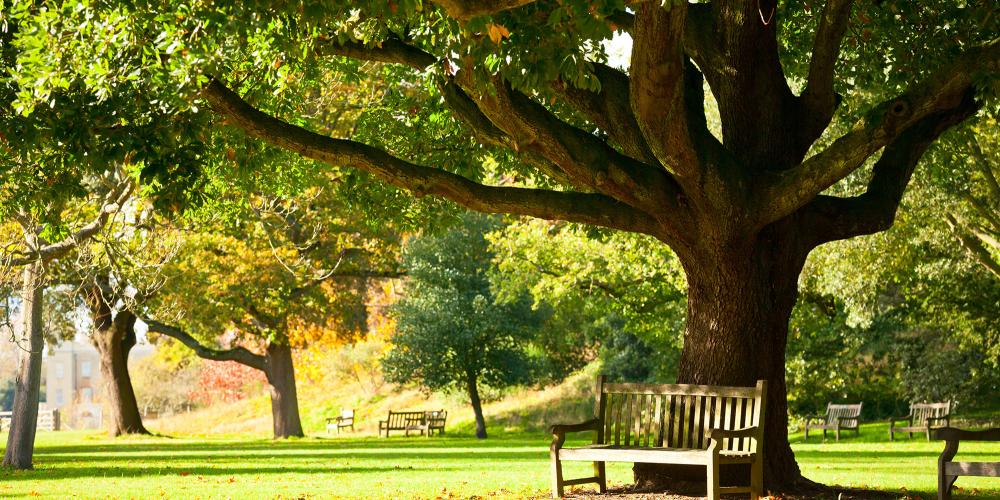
x: 114, y: 341
x: 740, y: 299
x: 21, y: 439
x: 477, y: 405
x: 284, y: 399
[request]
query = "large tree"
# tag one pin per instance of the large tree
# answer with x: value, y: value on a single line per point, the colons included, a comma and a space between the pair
x: 282, y: 274
x: 452, y: 332
x: 807, y: 95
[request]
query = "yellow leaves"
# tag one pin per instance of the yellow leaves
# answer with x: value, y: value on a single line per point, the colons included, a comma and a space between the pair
x: 497, y: 32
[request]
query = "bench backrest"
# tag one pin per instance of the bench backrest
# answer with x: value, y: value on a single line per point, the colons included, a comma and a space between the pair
x: 850, y: 412
x: 922, y: 411
x: 436, y: 417
x: 347, y: 414
x: 677, y: 415
x: 398, y: 419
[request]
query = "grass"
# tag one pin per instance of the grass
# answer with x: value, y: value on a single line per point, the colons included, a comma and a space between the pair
x: 89, y: 465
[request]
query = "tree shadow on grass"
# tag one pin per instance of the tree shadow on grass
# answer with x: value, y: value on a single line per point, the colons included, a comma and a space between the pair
x: 43, y: 472
x: 212, y: 444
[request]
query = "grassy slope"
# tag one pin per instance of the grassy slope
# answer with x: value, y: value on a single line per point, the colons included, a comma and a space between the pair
x: 509, y: 464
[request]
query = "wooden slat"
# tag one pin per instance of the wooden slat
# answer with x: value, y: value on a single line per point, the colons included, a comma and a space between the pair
x: 658, y: 401
x: 633, y: 454
x: 669, y: 417
x: 727, y: 422
x: 707, y: 422
x: 609, y: 418
x: 717, y: 417
x: 685, y: 389
x: 618, y: 417
x: 694, y: 434
x: 987, y: 469
x: 650, y: 417
x: 627, y: 419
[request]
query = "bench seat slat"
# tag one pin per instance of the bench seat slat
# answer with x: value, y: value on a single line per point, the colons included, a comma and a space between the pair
x: 610, y: 453
x: 985, y: 469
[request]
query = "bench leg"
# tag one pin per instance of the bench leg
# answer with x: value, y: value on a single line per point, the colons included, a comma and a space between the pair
x: 602, y: 477
x: 712, y: 479
x: 838, y: 433
x: 756, y: 480
x: 557, y: 479
x: 944, y: 485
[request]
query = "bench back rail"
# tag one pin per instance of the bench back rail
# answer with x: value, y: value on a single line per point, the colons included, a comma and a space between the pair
x: 398, y: 420
x: 676, y: 415
x: 920, y: 412
x: 850, y: 413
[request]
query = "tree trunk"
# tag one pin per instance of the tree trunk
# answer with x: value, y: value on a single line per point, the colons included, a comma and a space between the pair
x: 114, y: 341
x: 740, y: 300
x: 21, y: 439
x: 477, y: 405
x: 284, y: 400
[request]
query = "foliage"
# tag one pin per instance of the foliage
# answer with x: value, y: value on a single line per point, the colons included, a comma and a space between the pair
x: 224, y: 381
x: 619, y: 292
x: 451, y: 330
x: 166, y: 381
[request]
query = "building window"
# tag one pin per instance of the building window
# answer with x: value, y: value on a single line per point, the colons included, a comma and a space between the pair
x: 85, y: 369
x: 59, y: 397
x: 60, y: 370
x: 87, y: 395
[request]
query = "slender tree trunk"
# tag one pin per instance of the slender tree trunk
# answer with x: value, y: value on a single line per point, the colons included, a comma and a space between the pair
x: 477, y: 405
x: 284, y: 399
x: 21, y: 439
x: 113, y: 343
x: 739, y: 303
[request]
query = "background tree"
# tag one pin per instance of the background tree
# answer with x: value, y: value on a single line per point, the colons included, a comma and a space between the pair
x: 802, y: 108
x: 266, y: 278
x: 613, y: 293
x: 452, y: 334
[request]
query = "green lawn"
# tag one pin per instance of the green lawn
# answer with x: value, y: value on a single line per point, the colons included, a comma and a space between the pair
x: 88, y: 465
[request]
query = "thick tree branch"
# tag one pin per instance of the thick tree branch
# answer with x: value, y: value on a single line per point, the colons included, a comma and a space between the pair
x: 111, y: 204
x: 392, y: 50
x: 237, y: 354
x: 818, y: 99
x: 588, y: 161
x: 657, y: 88
x: 554, y: 205
x: 467, y: 9
x: 944, y: 91
x: 973, y: 245
x: 610, y: 109
x: 831, y: 218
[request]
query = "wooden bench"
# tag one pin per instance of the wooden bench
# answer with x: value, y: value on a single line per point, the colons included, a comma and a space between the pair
x: 949, y: 471
x: 837, y: 418
x: 923, y: 417
x: 669, y: 424
x: 432, y: 421
x: 436, y: 421
x: 402, y: 421
x: 344, y: 420
x: 47, y: 420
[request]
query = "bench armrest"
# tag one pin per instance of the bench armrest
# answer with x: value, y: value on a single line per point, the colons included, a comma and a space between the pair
x: 908, y: 418
x: 559, y: 431
x: 810, y: 418
x: 562, y: 429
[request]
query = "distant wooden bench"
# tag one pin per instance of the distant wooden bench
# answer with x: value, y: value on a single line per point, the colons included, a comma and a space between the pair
x: 436, y: 421
x: 400, y: 421
x: 949, y: 471
x: 342, y: 421
x: 48, y: 420
x: 838, y: 417
x: 923, y: 417
x: 669, y: 424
